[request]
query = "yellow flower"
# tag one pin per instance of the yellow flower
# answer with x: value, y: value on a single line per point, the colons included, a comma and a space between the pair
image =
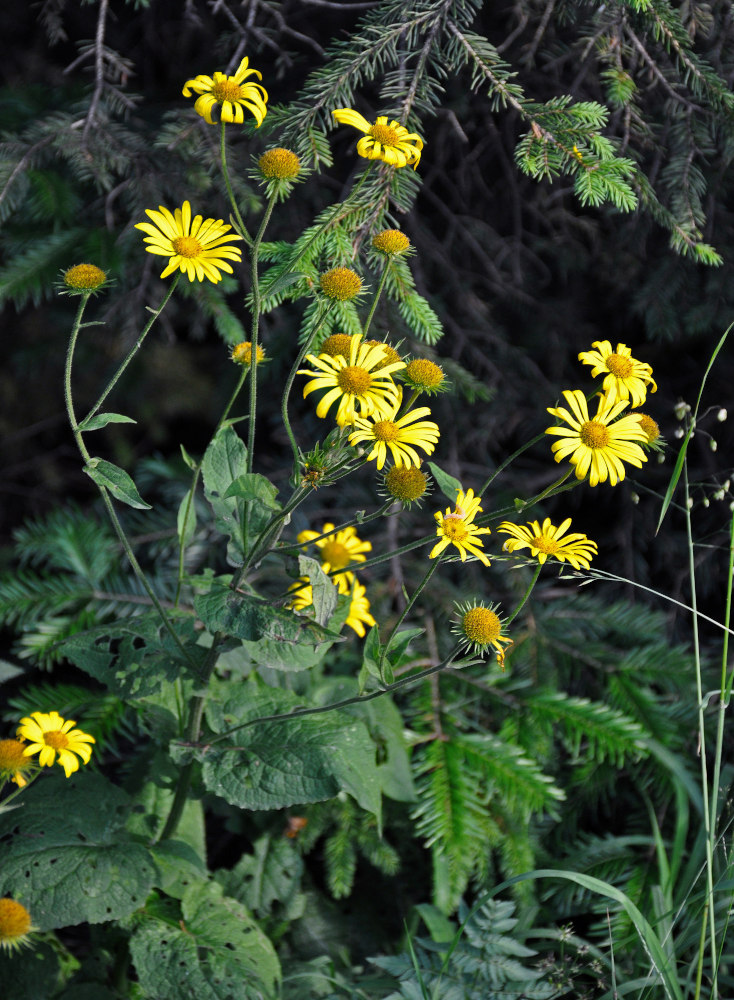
x: 50, y: 735
x: 242, y: 353
x: 340, y: 283
x: 279, y: 164
x: 480, y: 627
x: 391, y: 143
x: 359, y: 610
x: 455, y: 527
x: 14, y: 765
x: 15, y: 924
x: 337, y: 343
x: 194, y: 246
x: 599, y: 446
x: 362, y: 379
x: 650, y: 427
x: 232, y: 93
x: 546, y: 541
x: 625, y: 378
x: 424, y: 375
x: 338, y: 550
x: 389, y: 353
x: 84, y: 278
x: 405, y: 483
x: 402, y: 435
x: 391, y: 242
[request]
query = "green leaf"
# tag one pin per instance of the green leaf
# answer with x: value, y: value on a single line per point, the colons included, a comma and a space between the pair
x: 30, y: 975
x: 224, y: 610
x: 324, y: 592
x: 371, y: 656
x: 280, y: 282
x: 270, y: 875
x: 134, y: 657
x: 73, y: 863
x: 192, y: 464
x: 225, y: 460
x: 446, y: 483
x: 292, y: 641
x: 102, y: 419
x: 275, y: 764
x: 117, y: 481
x: 218, y: 952
x: 252, y: 486
x: 186, y: 519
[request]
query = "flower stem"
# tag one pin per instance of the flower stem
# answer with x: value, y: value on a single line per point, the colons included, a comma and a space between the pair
x: 321, y: 315
x: 416, y: 594
x: 134, y: 349
x: 528, y: 592
x: 232, y: 200
x: 376, y: 299
x: 255, y: 328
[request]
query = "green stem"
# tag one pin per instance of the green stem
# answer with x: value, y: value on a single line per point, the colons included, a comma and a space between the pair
x: 195, y: 480
x: 232, y: 200
x: 291, y: 379
x: 340, y: 527
x: 20, y: 788
x: 134, y: 349
x: 255, y: 328
x: 376, y: 299
x: 416, y: 594
x: 528, y: 592
x: 708, y: 914
x: 136, y: 567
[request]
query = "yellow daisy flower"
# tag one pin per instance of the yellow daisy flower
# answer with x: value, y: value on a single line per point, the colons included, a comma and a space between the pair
x: 338, y: 550
x: 363, y: 379
x: 50, y: 735
x: 455, y: 528
x: 624, y: 377
x: 599, y: 446
x: 232, y: 93
x: 392, y: 143
x: 15, y: 924
x: 576, y: 549
x: 194, y: 246
x: 480, y: 627
x: 14, y: 765
x: 399, y: 434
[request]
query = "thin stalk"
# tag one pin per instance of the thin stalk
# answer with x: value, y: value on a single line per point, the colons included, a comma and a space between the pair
x: 416, y: 594
x: 708, y: 914
x: 528, y: 592
x: 228, y: 185
x: 291, y: 379
x: 119, y: 530
x: 376, y: 299
x: 134, y: 349
x: 195, y: 480
x: 16, y: 791
x: 347, y: 524
x: 255, y: 328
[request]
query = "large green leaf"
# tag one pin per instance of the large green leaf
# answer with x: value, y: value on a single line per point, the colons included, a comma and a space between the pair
x: 117, y: 481
x: 134, y: 657
x: 66, y: 855
x: 216, y: 952
x: 29, y: 978
x: 223, y: 462
x: 275, y: 764
x: 270, y: 875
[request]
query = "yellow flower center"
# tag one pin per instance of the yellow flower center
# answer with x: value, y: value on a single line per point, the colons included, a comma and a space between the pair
x: 15, y: 921
x: 453, y: 528
x: 481, y: 625
x: 242, y: 353
x: 227, y: 90
x: 12, y: 756
x: 424, y: 374
x: 56, y: 739
x: 84, y: 277
x: 391, y: 241
x: 594, y: 434
x: 544, y: 544
x: 384, y: 134
x: 650, y: 428
x: 354, y: 380
x: 281, y: 163
x: 406, y: 482
x: 335, y: 554
x: 386, y: 430
x: 186, y: 246
x: 619, y: 365
x: 340, y: 283
x: 338, y: 344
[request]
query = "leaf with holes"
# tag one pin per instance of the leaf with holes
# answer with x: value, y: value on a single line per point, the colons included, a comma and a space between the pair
x: 73, y: 861
x: 216, y: 951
